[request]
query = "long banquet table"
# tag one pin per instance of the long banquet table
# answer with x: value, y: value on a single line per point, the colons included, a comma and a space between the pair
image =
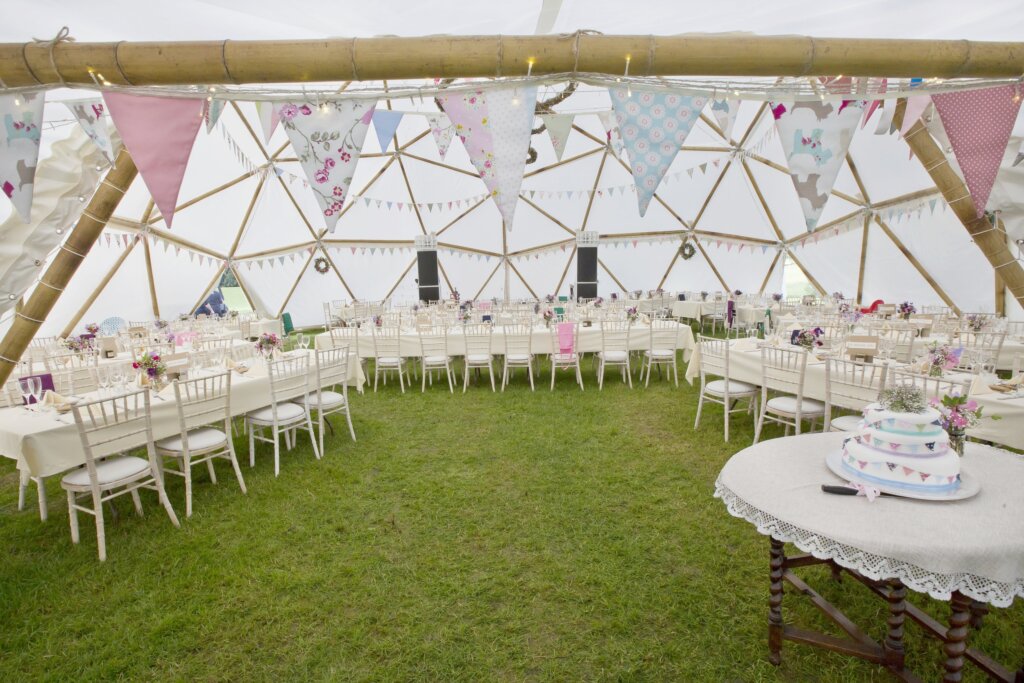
x: 589, y: 340
x: 45, y: 443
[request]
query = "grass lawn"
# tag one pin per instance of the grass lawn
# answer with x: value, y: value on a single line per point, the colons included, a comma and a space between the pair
x: 517, y: 536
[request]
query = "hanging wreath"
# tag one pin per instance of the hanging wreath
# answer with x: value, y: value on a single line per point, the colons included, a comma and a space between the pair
x: 321, y: 265
x: 687, y: 251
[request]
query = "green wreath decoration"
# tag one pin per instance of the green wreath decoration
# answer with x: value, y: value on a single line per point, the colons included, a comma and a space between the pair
x: 321, y: 265
x: 687, y: 251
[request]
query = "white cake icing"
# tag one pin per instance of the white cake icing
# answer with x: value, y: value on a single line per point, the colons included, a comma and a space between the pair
x: 907, y: 451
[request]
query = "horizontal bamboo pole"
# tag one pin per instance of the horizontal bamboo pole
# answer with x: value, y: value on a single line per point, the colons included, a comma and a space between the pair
x: 391, y: 57
x: 65, y: 263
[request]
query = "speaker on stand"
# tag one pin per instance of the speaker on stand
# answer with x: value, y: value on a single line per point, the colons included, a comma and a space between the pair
x: 429, y: 285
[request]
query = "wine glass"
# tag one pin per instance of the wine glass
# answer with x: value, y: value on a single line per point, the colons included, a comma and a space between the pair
x: 304, y: 340
x: 103, y: 378
x: 36, y: 387
x: 117, y: 375
x: 25, y: 384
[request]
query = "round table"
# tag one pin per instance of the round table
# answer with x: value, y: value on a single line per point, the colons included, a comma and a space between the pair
x: 970, y: 552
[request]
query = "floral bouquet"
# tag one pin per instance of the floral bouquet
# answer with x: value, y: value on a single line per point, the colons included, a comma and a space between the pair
x: 737, y: 292
x: 941, y: 358
x: 455, y: 295
x: 464, y: 315
x: 777, y: 297
x: 92, y: 328
x: 378, y: 321
x: 76, y: 344
x: 150, y: 366
x: 615, y: 296
x: 548, y: 316
x: 598, y: 301
x: 550, y: 298
x: 906, y: 309
x: 837, y: 296
x: 809, y: 339
x: 632, y: 314
x: 160, y: 324
x: 957, y: 412
x: 903, y: 398
x: 850, y: 316
x: 703, y: 295
x: 268, y: 343
x: 976, y: 322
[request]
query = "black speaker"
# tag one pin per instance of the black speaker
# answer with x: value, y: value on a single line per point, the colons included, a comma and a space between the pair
x: 586, y: 272
x: 426, y: 266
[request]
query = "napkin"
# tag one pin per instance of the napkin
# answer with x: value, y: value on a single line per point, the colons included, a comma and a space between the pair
x: 55, y: 400
x: 979, y: 386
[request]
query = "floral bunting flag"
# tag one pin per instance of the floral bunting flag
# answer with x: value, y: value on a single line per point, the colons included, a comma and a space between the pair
x: 613, y: 136
x: 19, y: 147
x: 214, y: 108
x: 385, y: 122
x: 269, y: 118
x: 654, y: 127
x: 89, y: 114
x: 495, y: 128
x: 558, y: 126
x: 442, y: 130
x: 159, y: 133
x: 815, y: 137
x: 979, y: 123
x: 328, y: 139
x: 725, y: 112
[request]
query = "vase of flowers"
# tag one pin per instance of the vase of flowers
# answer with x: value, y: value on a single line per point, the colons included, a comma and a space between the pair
x: 550, y: 298
x: 378, y: 321
x: 268, y: 344
x: 160, y: 324
x: 777, y: 297
x: 598, y: 301
x: 837, y: 296
x: 957, y: 414
x: 941, y: 358
x: 809, y: 339
x: 906, y: 309
x: 455, y: 295
x: 464, y: 315
x: 76, y: 344
x: 92, y: 328
x: 737, y: 293
x: 548, y: 316
x: 632, y: 314
x: 703, y: 296
x: 976, y: 322
x: 615, y: 296
x: 152, y: 370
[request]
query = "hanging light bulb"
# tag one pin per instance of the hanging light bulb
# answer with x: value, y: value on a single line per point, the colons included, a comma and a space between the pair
x: 17, y: 101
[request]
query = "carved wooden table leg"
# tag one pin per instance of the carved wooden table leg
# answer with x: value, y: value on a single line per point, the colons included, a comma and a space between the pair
x: 778, y: 557
x: 978, y: 612
x: 893, y: 643
x: 956, y: 637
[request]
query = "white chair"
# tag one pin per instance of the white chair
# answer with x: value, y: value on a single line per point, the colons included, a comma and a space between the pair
x: 289, y: 380
x: 331, y: 394
x: 204, y: 424
x: 715, y: 311
x: 980, y: 348
x: 108, y: 427
x: 933, y: 387
x: 518, y: 352
x: 614, y: 351
x: 714, y: 362
x: 479, y: 352
x: 434, y: 356
x: 564, y: 353
x: 387, y: 355
x: 783, y: 371
x: 663, y: 340
x: 850, y: 385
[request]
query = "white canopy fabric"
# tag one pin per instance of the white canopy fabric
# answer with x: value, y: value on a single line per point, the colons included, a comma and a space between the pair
x: 707, y: 186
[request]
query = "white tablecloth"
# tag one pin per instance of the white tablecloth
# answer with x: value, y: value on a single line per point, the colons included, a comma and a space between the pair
x: 975, y: 546
x: 46, y: 444
x: 258, y: 327
x: 589, y: 340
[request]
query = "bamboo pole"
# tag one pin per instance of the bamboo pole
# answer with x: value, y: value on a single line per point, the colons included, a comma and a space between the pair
x: 149, y: 276
x: 523, y: 279
x: 390, y: 57
x: 593, y: 190
x: 565, y: 271
x: 609, y: 271
x: 671, y: 265
x: 484, y: 285
x: 547, y: 215
x: 65, y: 263
x: 1000, y: 296
x: 917, y: 264
x: 84, y: 308
x: 563, y: 162
x: 400, y: 278
x: 771, y: 269
x: 863, y: 259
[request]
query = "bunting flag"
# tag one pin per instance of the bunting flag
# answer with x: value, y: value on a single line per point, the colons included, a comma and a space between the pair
x: 328, y: 139
x: 916, y: 106
x: 979, y: 123
x: 874, y: 104
x: 214, y: 108
x: 89, y: 115
x: 815, y: 137
x: 269, y: 118
x: 725, y: 112
x: 558, y: 126
x: 1020, y: 155
x: 159, y: 133
x: 884, y: 126
x: 385, y: 122
x: 654, y: 127
x: 613, y: 136
x: 495, y: 128
x: 442, y: 129
x: 19, y: 147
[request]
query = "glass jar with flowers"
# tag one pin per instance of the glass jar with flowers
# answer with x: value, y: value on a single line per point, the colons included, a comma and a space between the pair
x: 548, y: 316
x: 809, y: 339
x: 906, y: 309
x: 940, y: 358
x: 632, y: 314
x: 957, y: 413
x: 92, y: 328
x: 152, y: 370
x: 268, y: 344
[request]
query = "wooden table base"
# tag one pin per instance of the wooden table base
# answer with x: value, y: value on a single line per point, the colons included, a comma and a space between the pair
x: 965, y: 614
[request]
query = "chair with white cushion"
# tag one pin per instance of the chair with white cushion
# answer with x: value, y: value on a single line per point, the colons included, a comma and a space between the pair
x: 783, y: 372
x: 387, y: 355
x: 564, y: 352
x: 714, y: 362
x: 850, y: 385
x: 518, y: 352
x: 331, y: 392
x: 107, y: 428
x: 663, y: 340
x: 614, y: 350
x: 204, y: 430
x: 479, y: 352
x: 289, y: 380
x: 434, y: 356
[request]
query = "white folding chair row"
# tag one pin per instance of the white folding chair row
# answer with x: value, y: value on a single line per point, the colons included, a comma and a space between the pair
x: 289, y: 380
x: 783, y: 372
x: 614, y: 351
x: 434, y: 356
x: 518, y: 352
x: 479, y: 353
x: 331, y: 390
x: 714, y: 362
x: 663, y: 341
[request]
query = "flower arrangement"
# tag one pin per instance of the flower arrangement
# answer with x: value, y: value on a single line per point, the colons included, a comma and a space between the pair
x: 941, y: 358
x: 92, y: 328
x: 615, y: 296
x: 837, y: 296
x: 268, y: 343
x: 160, y: 324
x: 737, y: 292
x: 957, y: 412
x: 906, y: 309
x: 976, y: 322
x: 809, y: 339
x: 150, y: 366
x: 76, y: 344
x: 464, y: 315
x: 777, y: 297
x: 703, y: 295
x: 632, y: 314
x: 536, y: 309
x: 455, y: 295
x: 378, y: 321
x: 550, y: 298
x: 850, y: 316
x: 548, y: 315
x: 903, y: 398
x: 598, y: 301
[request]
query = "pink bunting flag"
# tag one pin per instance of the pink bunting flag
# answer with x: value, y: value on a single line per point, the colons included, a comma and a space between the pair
x: 979, y: 123
x: 22, y: 117
x: 916, y: 106
x: 269, y: 118
x: 159, y: 133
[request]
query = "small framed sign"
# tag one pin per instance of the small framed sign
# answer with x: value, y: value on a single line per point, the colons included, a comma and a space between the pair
x: 862, y: 348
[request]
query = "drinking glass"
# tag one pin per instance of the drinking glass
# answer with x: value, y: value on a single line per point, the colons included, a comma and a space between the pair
x: 36, y: 387
x: 117, y: 376
x: 103, y: 378
x: 25, y: 384
x: 304, y: 341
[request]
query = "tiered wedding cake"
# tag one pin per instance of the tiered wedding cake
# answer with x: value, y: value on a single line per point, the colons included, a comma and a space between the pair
x: 902, y: 450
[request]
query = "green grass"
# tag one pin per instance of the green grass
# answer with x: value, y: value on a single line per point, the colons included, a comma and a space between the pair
x: 517, y: 536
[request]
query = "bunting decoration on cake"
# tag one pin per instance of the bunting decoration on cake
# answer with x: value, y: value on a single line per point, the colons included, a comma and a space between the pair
x: 214, y: 108
x: 159, y: 133
x: 725, y: 112
x: 22, y: 116
x: 495, y: 128
x: 269, y: 118
x: 89, y: 114
x: 328, y: 139
x: 558, y: 126
x: 816, y: 137
x: 385, y: 122
x: 442, y: 129
x: 654, y: 126
x: 979, y: 123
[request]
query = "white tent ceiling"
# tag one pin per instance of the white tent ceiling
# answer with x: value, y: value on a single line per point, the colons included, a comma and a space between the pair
x: 284, y: 219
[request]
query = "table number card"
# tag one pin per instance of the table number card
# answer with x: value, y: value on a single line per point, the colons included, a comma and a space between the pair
x: 862, y: 348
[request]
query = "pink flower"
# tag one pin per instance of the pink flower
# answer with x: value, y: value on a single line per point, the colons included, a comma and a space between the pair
x: 329, y: 162
x: 328, y: 212
x: 289, y: 111
x: 306, y: 111
x: 338, y: 192
x: 321, y: 176
x: 345, y: 156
